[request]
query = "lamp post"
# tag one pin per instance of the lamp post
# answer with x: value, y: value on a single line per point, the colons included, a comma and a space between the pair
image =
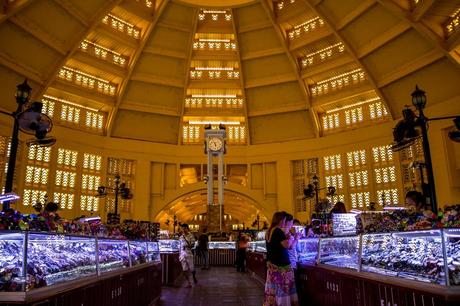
x: 405, y: 134
x: 419, y: 101
x: 119, y: 189
x: 315, y: 181
x: 22, y: 97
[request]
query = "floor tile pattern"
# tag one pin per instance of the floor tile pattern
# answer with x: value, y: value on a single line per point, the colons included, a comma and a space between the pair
x: 218, y: 286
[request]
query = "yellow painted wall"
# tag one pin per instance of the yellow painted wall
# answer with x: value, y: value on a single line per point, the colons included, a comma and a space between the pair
x: 270, y: 173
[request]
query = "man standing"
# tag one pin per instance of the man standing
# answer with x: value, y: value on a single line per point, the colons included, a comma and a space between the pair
x: 186, y: 254
x: 203, y: 249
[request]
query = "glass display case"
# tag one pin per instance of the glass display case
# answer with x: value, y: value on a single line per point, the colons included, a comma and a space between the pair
x: 113, y: 254
x: 340, y: 251
x: 452, y: 254
x: 138, y: 251
x: 307, y: 250
x: 257, y: 246
x: 31, y: 260
x: 414, y: 255
x: 221, y: 245
x: 51, y: 259
x: 153, y: 251
x: 168, y: 246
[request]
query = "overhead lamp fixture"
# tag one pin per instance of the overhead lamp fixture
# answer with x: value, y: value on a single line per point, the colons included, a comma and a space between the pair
x: 414, y: 126
x: 29, y: 119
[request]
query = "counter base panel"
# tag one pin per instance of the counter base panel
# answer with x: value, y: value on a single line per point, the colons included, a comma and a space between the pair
x: 218, y: 257
x: 328, y: 286
x: 171, y: 269
x: 256, y: 265
x: 140, y: 285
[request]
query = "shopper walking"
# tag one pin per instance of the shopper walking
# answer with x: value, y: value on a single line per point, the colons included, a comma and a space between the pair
x: 202, y: 249
x: 242, y: 245
x: 280, y: 283
x: 186, y: 254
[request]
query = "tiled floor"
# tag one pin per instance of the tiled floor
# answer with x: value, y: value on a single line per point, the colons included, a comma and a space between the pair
x: 219, y: 286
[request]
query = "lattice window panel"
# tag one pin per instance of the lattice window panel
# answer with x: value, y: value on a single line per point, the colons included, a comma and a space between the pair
x: 121, y: 166
x: 334, y: 180
x: 360, y: 200
x: 92, y: 162
x: 356, y: 159
x: 89, y: 203
x: 300, y: 205
x: 123, y: 205
x: 90, y: 182
x: 48, y: 107
x: 32, y: 196
x: 65, y: 179
x: 298, y: 168
x: 94, y: 120
x: 67, y: 157
x: 331, y: 121
x: 236, y: 134
x: 70, y: 114
x: 354, y: 116
x: 377, y: 110
x: 337, y: 198
x: 358, y: 179
x: 382, y: 154
x: 388, y: 197
x: 385, y: 175
x: 311, y: 165
x: 39, y: 154
x: 191, y: 133
x: 332, y: 163
x: 36, y: 175
x: 65, y: 200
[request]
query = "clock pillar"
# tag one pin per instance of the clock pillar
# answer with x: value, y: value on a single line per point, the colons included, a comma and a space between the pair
x: 215, y: 147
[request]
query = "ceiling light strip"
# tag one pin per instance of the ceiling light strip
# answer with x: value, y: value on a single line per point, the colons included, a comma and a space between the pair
x: 213, y: 122
x: 307, y: 26
x: 353, y: 105
x: 324, y: 54
x: 70, y: 103
x: 339, y: 76
x: 86, y: 80
x: 453, y: 24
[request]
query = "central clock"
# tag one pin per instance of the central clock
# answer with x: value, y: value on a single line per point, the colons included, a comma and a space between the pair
x: 215, y: 144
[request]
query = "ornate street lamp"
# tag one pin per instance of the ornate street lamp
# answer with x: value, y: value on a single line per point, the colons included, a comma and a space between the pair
x: 413, y: 126
x: 31, y: 121
x: 119, y: 189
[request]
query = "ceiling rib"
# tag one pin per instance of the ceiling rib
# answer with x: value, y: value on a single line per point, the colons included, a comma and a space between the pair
x: 73, y: 11
x: 243, y: 89
x: 76, y: 43
x: 12, y: 9
x: 21, y: 69
x: 354, y: 14
x: 132, y: 64
x: 294, y: 66
x: 187, y: 74
x: 352, y: 52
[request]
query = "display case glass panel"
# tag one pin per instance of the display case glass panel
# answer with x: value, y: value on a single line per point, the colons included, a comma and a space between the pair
x: 307, y: 250
x: 221, y: 245
x: 452, y: 245
x: 169, y: 246
x: 11, y: 261
x: 261, y: 246
x: 414, y: 255
x: 340, y: 251
x: 55, y: 258
x: 113, y: 254
x: 153, y: 252
x: 138, y: 251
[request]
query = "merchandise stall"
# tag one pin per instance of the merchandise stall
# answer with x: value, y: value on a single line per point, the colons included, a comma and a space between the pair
x: 398, y: 268
x: 61, y: 269
x: 171, y: 266
x: 256, y: 256
x: 221, y: 253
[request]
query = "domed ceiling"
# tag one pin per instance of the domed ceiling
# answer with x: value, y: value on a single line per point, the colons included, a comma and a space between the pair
x: 270, y: 71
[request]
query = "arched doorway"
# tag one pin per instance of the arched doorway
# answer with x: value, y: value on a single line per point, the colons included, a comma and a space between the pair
x: 241, y: 208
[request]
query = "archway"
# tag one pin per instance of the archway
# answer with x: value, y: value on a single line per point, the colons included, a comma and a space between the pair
x: 242, y: 208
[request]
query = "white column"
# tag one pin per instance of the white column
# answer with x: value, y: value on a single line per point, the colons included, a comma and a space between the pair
x: 220, y: 173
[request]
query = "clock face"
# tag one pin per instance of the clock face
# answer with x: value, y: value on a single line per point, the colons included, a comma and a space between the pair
x: 215, y: 144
